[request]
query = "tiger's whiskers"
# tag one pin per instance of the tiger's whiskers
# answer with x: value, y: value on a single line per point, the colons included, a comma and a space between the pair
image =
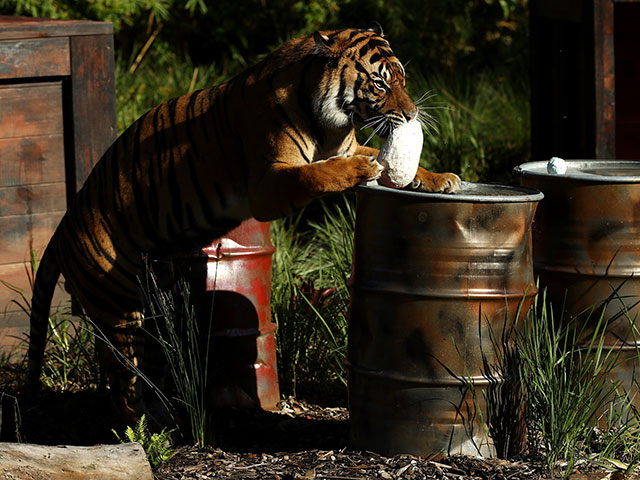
x: 379, y: 123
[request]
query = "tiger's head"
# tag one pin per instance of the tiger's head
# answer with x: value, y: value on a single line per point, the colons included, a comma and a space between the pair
x: 363, y: 82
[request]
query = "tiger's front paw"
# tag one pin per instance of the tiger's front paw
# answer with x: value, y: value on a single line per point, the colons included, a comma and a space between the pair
x: 426, y: 181
x: 357, y: 169
x: 368, y: 167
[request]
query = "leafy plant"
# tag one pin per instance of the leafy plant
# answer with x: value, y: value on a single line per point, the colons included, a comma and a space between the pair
x: 156, y: 446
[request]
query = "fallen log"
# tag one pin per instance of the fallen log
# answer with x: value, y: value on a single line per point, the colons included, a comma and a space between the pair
x: 105, y: 462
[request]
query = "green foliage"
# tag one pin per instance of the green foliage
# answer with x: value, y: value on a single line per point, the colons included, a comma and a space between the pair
x: 141, y: 89
x: 310, y: 297
x: 480, y: 126
x: 156, y: 446
x: 70, y: 361
x: 451, y: 34
x: 120, y: 12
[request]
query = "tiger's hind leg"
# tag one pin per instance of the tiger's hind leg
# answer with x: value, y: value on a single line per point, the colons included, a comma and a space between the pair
x: 123, y: 352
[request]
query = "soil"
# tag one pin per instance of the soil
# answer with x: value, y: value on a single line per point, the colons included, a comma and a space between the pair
x: 297, y: 442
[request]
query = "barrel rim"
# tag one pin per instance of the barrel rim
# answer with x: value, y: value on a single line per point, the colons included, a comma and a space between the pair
x: 512, y: 194
x: 577, y: 169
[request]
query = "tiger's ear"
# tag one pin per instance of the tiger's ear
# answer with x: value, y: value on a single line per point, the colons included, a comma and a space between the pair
x: 376, y: 28
x: 322, y: 41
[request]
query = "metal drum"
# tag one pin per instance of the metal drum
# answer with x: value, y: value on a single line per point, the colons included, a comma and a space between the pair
x: 231, y: 281
x: 432, y: 273
x: 586, y: 244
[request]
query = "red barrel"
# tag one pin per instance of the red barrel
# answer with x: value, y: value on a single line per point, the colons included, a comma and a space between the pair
x: 234, y: 285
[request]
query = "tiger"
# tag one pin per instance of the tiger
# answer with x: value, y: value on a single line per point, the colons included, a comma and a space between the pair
x: 261, y: 145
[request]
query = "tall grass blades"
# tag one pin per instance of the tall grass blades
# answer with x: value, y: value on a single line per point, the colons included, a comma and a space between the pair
x: 310, y: 297
x: 186, y: 349
x: 505, y: 391
x: 565, y: 368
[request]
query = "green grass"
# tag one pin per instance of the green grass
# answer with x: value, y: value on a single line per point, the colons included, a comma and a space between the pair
x: 573, y: 407
x: 480, y: 125
x: 310, y: 297
x: 158, y: 76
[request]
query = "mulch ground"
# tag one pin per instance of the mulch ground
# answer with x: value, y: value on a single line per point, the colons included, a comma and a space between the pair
x: 297, y: 442
x: 307, y: 442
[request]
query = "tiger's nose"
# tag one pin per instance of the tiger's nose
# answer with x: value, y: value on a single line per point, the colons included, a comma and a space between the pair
x: 410, y: 115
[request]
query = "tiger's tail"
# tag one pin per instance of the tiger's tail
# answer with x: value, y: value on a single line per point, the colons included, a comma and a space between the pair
x: 43, y: 288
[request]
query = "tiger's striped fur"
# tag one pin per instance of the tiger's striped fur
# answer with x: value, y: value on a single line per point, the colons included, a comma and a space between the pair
x: 192, y: 168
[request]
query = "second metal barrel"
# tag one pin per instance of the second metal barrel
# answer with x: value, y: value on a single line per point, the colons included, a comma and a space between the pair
x: 586, y: 243
x: 432, y: 274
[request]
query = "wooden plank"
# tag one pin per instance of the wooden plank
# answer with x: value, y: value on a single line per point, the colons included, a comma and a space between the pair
x: 114, y: 462
x: 14, y: 27
x: 31, y: 110
x: 13, y: 320
x: 14, y: 324
x: 627, y: 45
x: 92, y: 103
x: 30, y: 199
x: 605, y: 95
x: 13, y: 329
x: 31, y: 160
x: 18, y: 275
x: 20, y: 233
x: 34, y: 58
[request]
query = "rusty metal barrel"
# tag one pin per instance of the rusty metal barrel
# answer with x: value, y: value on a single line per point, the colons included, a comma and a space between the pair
x: 231, y: 281
x: 586, y: 244
x: 431, y: 275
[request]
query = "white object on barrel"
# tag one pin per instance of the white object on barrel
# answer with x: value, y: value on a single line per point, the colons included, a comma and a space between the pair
x: 556, y: 166
x: 400, y: 155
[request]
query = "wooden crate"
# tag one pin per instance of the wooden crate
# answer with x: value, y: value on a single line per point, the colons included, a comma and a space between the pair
x: 57, y: 117
x: 584, y: 76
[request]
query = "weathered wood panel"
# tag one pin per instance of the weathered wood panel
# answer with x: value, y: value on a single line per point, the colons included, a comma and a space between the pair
x: 93, y: 102
x: 14, y: 321
x: 12, y: 328
x: 51, y: 133
x: 36, y: 462
x: 34, y: 58
x: 31, y: 110
x: 627, y: 66
x: 604, y: 79
x: 20, y: 233
x: 30, y: 199
x: 15, y: 27
x: 32, y: 159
